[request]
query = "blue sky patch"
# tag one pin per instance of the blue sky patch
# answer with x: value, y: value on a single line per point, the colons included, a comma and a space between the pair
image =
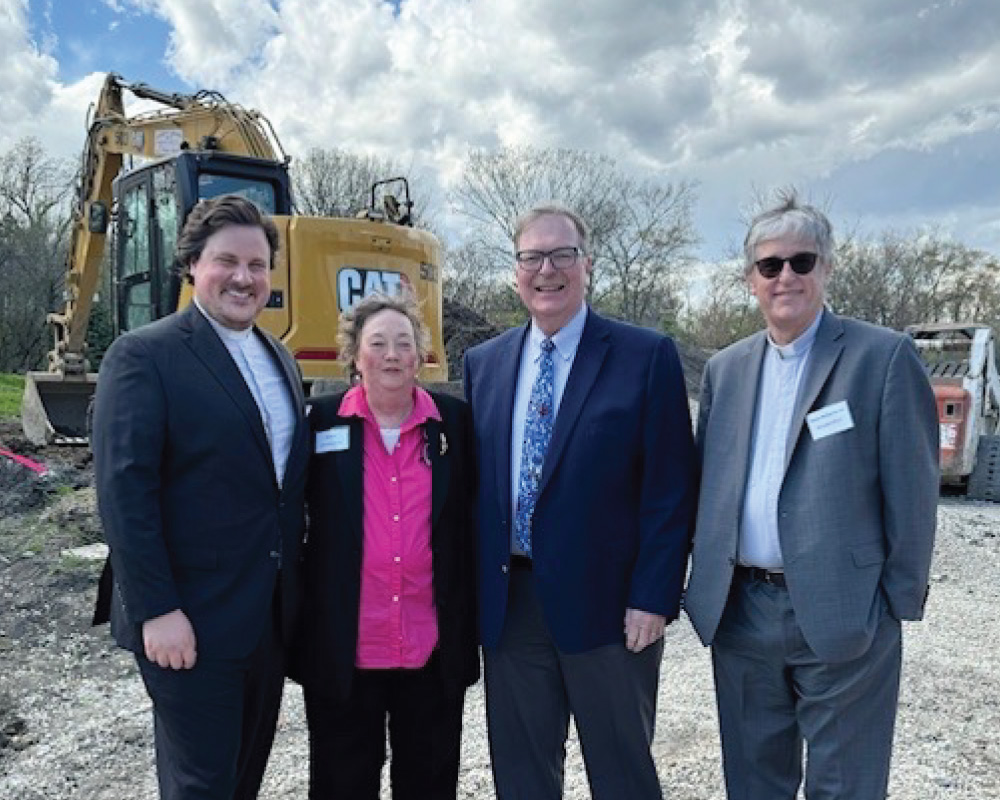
x: 91, y: 37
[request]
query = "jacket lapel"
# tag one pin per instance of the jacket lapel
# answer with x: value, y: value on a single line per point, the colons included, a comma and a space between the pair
x: 437, y: 453
x: 351, y: 473
x: 507, y: 368
x: 206, y: 345
x: 746, y: 403
x: 594, y: 343
x: 826, y: 351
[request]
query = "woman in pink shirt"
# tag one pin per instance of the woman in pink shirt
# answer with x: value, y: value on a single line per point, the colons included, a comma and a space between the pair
x: 388, y: 628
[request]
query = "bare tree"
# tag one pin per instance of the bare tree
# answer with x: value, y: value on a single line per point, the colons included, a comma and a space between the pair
x: 901, y: 278
x: 470, y: 278
x: 726, y: 313
x: 34, y: 224
x: 641, y: 230
x: 338, y: 183
x: 643, y: 251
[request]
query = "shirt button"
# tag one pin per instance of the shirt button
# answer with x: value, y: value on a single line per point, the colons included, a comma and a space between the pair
x: 503, y: 568
x: 395, y: 517
x: 395, y: 598
x: 396, y: 559
x: 393, y: 479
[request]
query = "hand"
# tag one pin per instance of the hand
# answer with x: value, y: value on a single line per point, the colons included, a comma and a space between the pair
x: 642, y: 628
x: 169, y: 640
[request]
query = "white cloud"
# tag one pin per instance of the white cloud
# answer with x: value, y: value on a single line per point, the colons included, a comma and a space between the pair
x: 211, y: 39
x: 734, y: 93
x: 28, y: 74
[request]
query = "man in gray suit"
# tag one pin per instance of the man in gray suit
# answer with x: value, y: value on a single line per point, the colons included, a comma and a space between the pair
x: 815, y: 529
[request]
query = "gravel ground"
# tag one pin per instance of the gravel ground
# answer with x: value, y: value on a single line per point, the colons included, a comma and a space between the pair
x: 75, y: 722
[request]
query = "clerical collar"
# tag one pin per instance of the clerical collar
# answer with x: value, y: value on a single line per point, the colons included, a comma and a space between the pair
x: 226, y: 334
x: 800, y: 346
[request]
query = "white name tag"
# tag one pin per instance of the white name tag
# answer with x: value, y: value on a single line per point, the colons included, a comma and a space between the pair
x: 834, y: 418
x: 333, y: 440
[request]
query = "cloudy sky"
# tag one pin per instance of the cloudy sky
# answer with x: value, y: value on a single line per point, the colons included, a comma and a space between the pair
x: 886, y: 111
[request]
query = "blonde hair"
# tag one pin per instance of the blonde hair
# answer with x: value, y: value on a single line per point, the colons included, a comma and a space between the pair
x: 352, y: 323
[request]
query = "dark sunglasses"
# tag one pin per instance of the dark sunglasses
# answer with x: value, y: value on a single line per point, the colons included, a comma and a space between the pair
x: 801, y: 264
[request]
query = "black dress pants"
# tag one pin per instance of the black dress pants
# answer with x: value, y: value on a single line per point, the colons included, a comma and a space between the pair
x: 214, y: 724
x: 347, y: 739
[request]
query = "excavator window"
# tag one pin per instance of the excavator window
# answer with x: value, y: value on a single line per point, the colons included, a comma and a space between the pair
x: 166, y: 227
x: 260, y: 193
x: 134, y: 274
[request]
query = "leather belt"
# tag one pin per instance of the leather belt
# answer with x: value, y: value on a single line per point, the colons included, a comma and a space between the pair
x: 762, y: 575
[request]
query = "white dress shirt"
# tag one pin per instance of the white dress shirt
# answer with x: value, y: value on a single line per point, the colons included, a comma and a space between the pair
x: 267, y: 384
x: 781, y: 377
x: 566, y: 341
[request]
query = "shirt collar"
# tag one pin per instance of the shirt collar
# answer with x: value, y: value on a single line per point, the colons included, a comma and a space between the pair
x: 228, y: 335
x: 566, y: 339
x: 801, y: 345
x: 355, y: 404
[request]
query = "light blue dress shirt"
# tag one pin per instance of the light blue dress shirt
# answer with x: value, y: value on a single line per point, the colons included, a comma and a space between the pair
x: 566, y: 341
x: 781, y: 377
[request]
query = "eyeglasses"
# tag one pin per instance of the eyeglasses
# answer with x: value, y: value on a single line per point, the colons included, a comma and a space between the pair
x: 801, y: 264
x: 560, y: 258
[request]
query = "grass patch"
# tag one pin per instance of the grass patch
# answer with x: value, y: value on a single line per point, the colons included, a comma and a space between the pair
x: 11, y: 389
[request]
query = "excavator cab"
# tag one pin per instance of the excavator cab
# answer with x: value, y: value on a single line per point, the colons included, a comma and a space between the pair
x: 150, y: 206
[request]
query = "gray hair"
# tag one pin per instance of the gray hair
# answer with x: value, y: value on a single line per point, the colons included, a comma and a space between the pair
x: 352, y: 323
x: 553, y: 210
x: 792, y: 219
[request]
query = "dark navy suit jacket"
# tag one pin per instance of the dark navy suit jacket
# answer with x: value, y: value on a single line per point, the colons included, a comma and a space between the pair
x: 191, y: 507
x: 613, y: 519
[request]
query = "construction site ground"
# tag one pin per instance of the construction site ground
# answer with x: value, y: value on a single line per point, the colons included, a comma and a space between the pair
x: 76, y: 724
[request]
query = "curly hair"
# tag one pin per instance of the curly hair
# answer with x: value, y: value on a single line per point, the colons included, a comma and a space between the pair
x: 352, y: 323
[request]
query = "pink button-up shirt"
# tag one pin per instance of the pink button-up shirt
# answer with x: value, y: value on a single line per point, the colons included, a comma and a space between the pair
x: 397, y: 623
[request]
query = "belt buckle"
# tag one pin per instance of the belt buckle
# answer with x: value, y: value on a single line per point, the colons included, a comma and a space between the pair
x: 773, y: 578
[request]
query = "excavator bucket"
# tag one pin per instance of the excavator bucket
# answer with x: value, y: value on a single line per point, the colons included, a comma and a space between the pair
x: 55, y: 407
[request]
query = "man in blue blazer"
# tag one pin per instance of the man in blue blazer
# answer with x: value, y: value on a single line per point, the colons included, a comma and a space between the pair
x: 583, y: 529
x: 200, y: 453
x: 816, y: 520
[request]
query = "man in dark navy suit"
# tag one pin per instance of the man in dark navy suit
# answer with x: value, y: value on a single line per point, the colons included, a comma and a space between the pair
x: 200, y: 452
x: 586, y: 489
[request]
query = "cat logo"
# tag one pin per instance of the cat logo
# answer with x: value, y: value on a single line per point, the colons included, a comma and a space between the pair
x: 354, y: 283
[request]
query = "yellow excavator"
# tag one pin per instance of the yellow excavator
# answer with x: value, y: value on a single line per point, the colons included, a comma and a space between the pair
x: 192, y: 147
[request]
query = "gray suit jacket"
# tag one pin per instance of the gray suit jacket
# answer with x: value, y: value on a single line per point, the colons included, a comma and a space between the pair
x: 856, y: 510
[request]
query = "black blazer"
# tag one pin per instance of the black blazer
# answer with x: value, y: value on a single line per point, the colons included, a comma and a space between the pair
x: 191, y: 508
x: 324, y: 654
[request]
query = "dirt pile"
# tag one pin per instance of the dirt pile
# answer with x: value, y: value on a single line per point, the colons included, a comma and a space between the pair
x: 22, y: 490
x: 463, y: 328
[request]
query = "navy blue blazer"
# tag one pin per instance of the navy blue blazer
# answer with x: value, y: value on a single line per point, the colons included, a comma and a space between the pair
x: 613, y: 520
x: 192, y: 510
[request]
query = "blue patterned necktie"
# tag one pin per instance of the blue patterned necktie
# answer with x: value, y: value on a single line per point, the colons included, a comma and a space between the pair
x: 537, y: 432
